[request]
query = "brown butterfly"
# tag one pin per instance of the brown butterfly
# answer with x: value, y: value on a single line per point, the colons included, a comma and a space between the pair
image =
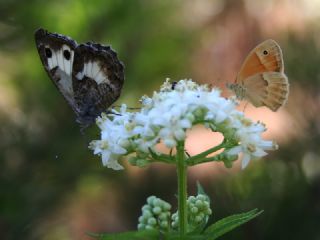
x: 89, y: 75
x: 261, y: 79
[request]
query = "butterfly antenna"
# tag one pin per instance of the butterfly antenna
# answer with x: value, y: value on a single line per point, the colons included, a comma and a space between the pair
x: 134, y: 108
x: 108, y: 112
x: 130, y: 108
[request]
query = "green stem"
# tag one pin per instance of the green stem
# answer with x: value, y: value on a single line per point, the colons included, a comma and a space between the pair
x: 207, y: 152
x: 218, y: 157
x: 161, y: 157
x: 182, y: 189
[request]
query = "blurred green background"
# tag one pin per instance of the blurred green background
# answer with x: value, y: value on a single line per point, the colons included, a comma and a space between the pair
x: 51, y: 185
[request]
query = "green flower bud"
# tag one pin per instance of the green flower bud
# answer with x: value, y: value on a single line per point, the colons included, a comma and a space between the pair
x: 147, y: 213
x: 198, y: 113
x: 199, y: 210
x: 164, y: 224
x: 142, y: 162
x: 201, y: 215
x: 198, y: 219
x: 206, y: 204
x: 166, y: 206
x: 175, y: 215
x: 152, y: 221
x: 174, y: 224
x: 194, y: 209
x: 150, y: 199
x: 202, y: 197
x: 156, y: 210
x: 141, y: 226
x: 163, y: 216
x: 142, y: 155
x: 199, y: 203
x: 133, y: 161
x: 208, y: 211
x: 190, y: 117
x: 156, y: 202
x: 148, y: 227
x: 141, y: 219
x: 191, y: 199
x: 227, y: 163
x: 146, y: 207
x: 155, y: 214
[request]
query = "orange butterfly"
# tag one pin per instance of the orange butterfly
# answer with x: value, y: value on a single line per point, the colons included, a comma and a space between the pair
x: 261, y: 79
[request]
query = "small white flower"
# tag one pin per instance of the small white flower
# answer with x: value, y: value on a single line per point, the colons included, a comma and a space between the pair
x: 251, y: 143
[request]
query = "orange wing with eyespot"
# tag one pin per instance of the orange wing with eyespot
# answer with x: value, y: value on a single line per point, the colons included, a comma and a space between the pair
x: 266, y: 57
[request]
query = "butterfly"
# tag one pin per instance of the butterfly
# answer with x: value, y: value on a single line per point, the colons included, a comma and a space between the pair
x: 89, y: 75
x: 261, y: 79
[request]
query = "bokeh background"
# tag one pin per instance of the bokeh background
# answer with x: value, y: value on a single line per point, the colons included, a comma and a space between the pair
x: 52, y: 187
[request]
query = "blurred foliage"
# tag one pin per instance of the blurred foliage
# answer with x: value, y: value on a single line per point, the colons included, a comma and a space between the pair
x: 51, y: 185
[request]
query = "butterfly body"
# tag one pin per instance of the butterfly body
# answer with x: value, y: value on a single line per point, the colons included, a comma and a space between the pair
x: 238, y: 89
x: 261, y: 79
x: 89, y: 76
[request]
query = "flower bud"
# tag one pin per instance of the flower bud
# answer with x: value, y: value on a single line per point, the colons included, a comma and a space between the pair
x: 152, y: 221
x: 155, y: 214
x: 156, y: 210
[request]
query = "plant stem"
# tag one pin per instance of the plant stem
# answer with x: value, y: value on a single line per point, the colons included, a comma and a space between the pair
x: 207, y: 152
x: 182, y: 189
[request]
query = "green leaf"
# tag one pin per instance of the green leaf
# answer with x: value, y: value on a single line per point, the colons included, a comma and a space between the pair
x: 176, y: 236
x: 146, y: 235
x: 136, y: 235
x: 199, y: 228
x: 229, y: 223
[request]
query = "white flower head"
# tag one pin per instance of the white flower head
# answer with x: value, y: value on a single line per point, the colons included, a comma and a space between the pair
x: 168, y: 114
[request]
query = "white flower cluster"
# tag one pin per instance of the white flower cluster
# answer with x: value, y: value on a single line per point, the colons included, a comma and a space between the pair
x: 155, y: 214
x: 198, y: 212
x: 168, y: 114
x: 248, y: 134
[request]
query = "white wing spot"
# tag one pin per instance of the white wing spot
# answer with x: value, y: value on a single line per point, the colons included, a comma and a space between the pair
x: 80, y: 75
x: 93, y: 70
x: 67, y: 64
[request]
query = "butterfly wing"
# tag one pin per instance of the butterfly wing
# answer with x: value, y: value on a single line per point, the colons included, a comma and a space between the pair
x: 268, y: 89
x: 57, y: 54
x: 97, y: 79
x: 261, y: 79
x: 266, y: 57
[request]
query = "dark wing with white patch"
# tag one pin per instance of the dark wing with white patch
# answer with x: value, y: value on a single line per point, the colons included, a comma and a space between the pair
x: 97, y: 79
x: 57, y: 54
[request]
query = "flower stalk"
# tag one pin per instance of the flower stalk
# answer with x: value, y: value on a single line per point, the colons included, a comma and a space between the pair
x: 182, y: 189
x: 165, y: 119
